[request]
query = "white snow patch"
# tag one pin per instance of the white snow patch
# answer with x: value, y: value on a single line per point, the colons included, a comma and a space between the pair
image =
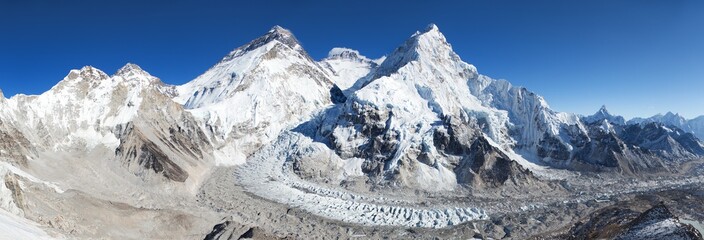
x: 228, y: 155
x: 6, y: 167
x: 353, y: 167
x: 17, y: 228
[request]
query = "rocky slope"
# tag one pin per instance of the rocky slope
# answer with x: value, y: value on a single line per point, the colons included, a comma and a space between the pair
x: 417, y: 139
x: 634, y: 148
x: 624, y: 223
x: 694, y: 126
x: 414, y: 119
x: 255, y: 92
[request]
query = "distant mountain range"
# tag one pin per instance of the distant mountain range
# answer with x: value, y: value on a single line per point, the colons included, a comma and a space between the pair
x: 421, y: 109
x: 420, y: 118
x: 694, y: 126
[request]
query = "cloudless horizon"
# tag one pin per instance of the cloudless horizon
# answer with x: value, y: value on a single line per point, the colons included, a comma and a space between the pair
x: 638, y: 58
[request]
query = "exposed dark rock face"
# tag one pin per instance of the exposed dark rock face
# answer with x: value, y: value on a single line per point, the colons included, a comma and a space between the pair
x: 694, y: 126
x: 630, y: 149
x: 603, y: 224
x: 12, y: 183
x: 136, y: 148
x: 551, y: 147
x: 603, y: 149
x: 231, y: 230
x: 455, y: 137
x: 485, y: 165
x: 659, y: 223
x: 461, y: 143
x: 163, y: 138
x: 370, y: 124
x: 666, y: 141
x: 620, y: 222
x: 276, y: 33
x: 336, y: 95
x: 14, y: 145
x: 481, y: 164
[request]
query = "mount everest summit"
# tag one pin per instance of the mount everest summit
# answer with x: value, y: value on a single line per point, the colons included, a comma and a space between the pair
x: 344, y: 139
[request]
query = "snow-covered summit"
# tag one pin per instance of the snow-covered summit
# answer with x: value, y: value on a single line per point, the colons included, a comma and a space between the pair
x: 276, y: 34
x: 695, y: 126
x: 671, y: 118
x: 130, y: 69
x: 346, y: 66
x: 258, y: 90
x: 346, y: 53
x: 417, y: 98
x: 603, y: 114
x: 351, y: 55
x: 134, y: 76
x: 432, y: 27
x: 274, y: 53
x: 429, y: 45
x: 668, y: 118
x: 421, y: 119
x: 87, y: 73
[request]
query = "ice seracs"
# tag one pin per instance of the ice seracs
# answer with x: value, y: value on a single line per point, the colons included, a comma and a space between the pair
x: 347, y: 137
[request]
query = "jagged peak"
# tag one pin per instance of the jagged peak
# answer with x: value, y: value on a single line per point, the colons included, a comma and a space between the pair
x: 282, y: 35
x: 131, y: 69
x: 345, y: 53
x: 668, y: 117
x: 276, y: 33
x: 430, y: 29
x: 603, y: 114
x: 603, y: 109
x: 280, y: 31
x: 430, y: 44
x: 2, y: 96
x: 88, y: 72
x: 341, y: 51
x: 673, y: 115
x: 429, y: 37
x: 658, y: 212
x: 90, y: 69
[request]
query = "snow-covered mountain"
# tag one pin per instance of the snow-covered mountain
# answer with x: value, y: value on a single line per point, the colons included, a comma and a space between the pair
x: 130, y: 112
x: 255, y: 92
x: 694, y: 126
x: 411, y: 117
x: 419, y: 119
x: 398, y: 115
x: 415, y: 117
x: 603, y: 114
x: 346, y: 66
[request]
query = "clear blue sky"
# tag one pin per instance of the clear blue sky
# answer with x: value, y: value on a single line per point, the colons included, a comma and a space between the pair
x: 637, y: 57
